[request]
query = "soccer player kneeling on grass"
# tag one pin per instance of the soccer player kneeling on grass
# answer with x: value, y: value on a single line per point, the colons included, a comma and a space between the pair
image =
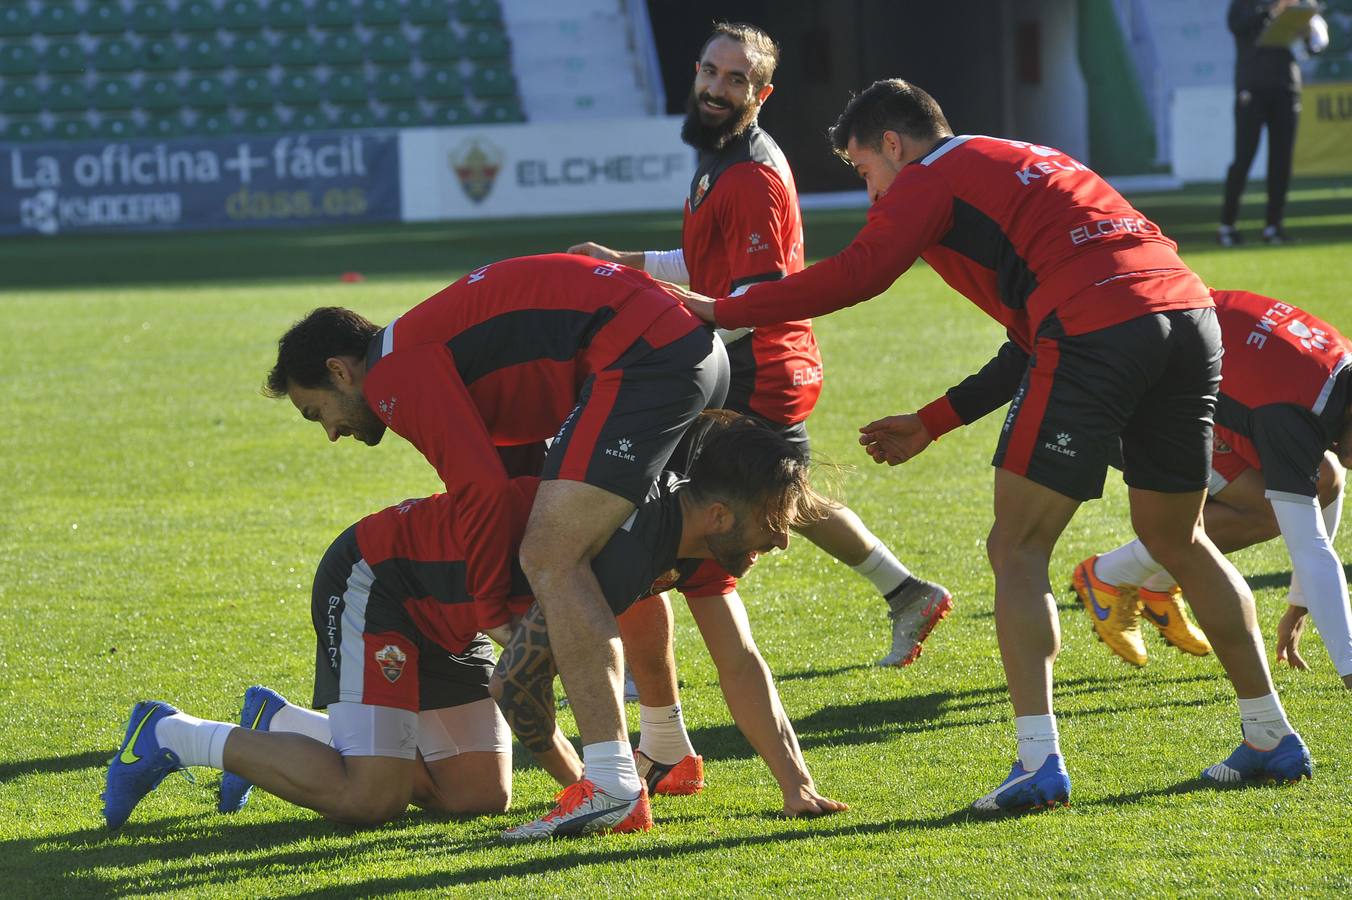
x: 1286, y: 400
x: 403, y: 670
x: 1123, y: 349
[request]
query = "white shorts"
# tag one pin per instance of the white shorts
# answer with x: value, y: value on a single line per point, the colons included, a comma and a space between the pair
x: 360, y: 729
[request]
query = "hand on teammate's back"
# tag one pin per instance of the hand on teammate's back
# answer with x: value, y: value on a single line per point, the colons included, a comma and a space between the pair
x: 895, y: 439
x: 595, y: 251
x: 698, y: 304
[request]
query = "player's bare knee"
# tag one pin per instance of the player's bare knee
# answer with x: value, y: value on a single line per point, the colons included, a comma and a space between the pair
x: 479, y: 800
x: 1332, y: 477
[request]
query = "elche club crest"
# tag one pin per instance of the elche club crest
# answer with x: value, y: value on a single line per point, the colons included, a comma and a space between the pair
x: 701, y: 188
x: 665, y: 581
x: 476, y: 163
x: 391, y: 661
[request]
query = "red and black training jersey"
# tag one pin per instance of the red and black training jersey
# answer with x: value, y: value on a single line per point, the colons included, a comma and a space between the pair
x: 1286, y: 382
x: 417, y: 546
x: 1022, y: 231
x: 498, y: 358
x: 742, y: 225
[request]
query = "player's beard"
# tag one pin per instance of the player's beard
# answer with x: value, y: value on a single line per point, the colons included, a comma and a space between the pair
x: 363, y: 424
x: 730, y: 550
x: 712, y: 138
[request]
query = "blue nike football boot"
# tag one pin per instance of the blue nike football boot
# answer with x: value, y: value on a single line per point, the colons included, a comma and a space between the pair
x: 260, y: 705
x: 140, y: 765
x: 1024, y: 791
x: 1288, y: 762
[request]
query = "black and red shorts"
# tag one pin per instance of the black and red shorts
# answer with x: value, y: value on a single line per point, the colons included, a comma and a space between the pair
x: 630, y: 415
x: 370, y: 651
x: 1150, y: 382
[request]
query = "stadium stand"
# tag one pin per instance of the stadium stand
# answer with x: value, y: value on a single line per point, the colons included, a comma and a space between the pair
x: 75, y: 69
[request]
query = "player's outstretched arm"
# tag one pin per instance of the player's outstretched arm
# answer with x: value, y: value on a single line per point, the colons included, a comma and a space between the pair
x: 895, y: 439
x: 754, y: 703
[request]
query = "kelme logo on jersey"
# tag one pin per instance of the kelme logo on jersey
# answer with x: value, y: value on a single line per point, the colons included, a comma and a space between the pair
x: 621, y: 450
x: 755, y: 244
x: 386, y: 409
x: 1310, y: 338
x: 476, y: 163
x: 391, y: 661
x: 1061, y: 446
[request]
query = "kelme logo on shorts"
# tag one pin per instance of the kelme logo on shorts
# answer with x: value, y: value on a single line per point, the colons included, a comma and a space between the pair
x: 1061, y: 446
x: 391, y: 661
x: 624, y: 445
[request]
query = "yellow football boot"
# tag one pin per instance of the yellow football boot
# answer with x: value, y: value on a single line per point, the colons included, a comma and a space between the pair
x: 1115, y: 612
x: 1165, y: 610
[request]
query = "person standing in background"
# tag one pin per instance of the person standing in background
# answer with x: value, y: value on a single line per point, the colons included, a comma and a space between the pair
x: 1267, y: 94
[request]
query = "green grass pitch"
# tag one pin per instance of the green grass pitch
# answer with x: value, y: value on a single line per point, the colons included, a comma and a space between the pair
x: 163, y: 520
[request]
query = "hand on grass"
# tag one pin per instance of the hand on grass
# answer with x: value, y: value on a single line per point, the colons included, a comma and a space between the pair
x: 1289, y: 630
x: 895, y: 439
x: 805, y: 801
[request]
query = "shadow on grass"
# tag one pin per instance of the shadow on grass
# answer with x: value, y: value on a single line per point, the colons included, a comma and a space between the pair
x: 52, y: 765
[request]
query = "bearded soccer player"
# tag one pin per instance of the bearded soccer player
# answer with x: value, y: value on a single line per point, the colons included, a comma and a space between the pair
x: 1286, y: 399
x: 746, y: 487
x: 597, y: 356
x: 742, y: 225
x: 1124, y: 351
x: 403, y: 670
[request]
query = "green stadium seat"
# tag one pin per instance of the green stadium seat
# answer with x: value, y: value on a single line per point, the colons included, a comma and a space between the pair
x: 203, y: 52
x: 196, y: 15
x: 394, y: 84
x: 478, y: 10
x: 151, y: 17
x: 286, y: 14
x: 112, y: 93
x: 308, y: 118
x: 20, y: 59
x: 299, y: 49
x: 440, y: 44
x: 57, y: 18
x: 161, y: 125
x: 340, y: 48
x: 381, y: 12
x: 260, y: 120
x: 388, y: 46
x: 251, y: 89
x: 20, y: 96
x: 104, y: 17
x: 69, y: 128
x: 66, y: 94
x: 508, y: 110
x: 159, y: 52
x: 159, y: 92
x: 249, y: 51
x: 345, y: 86
x: 115, y: 55
x: 451, y: 114
x: 328, y: 13
x: 241, y: 14
x: 116, y: 128
x: 428, y: 12
x: 441, y: 82
x: 403, y: 115
x: 24, y: 128
x: 298, y: 87
x: 15, y: 19
x: 486, y: 42
x: 64, y: 55
x: 354, y: 117
x: 492, y: 81
x: 213, y: 123
x: 205, y: 91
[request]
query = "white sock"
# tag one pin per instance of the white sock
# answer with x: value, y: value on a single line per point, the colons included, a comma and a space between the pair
x: 882, y: 568
x: 196, y: 742
x: 610, y: 766
x: 1161, y: 582
x: 662, y: 736
x: 299, y: 720
x: 1128, y: 564
x: 1333, y: 514
x: 1264, y: 721
x: 1038, y: 740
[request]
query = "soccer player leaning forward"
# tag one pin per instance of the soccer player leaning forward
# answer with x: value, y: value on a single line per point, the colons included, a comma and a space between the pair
x: 1286, y: 399
x: 742, y: 225
x: 403, y: 670
x: 747, y: 486
x: 594, y: 354
x: 1123, y: 345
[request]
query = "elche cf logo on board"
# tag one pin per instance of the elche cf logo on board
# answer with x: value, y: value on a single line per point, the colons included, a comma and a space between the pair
x: 476, y: 163
x: 391, y: 661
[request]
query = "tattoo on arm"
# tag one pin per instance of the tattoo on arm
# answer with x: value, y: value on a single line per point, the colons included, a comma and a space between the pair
x: 525, y: 675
